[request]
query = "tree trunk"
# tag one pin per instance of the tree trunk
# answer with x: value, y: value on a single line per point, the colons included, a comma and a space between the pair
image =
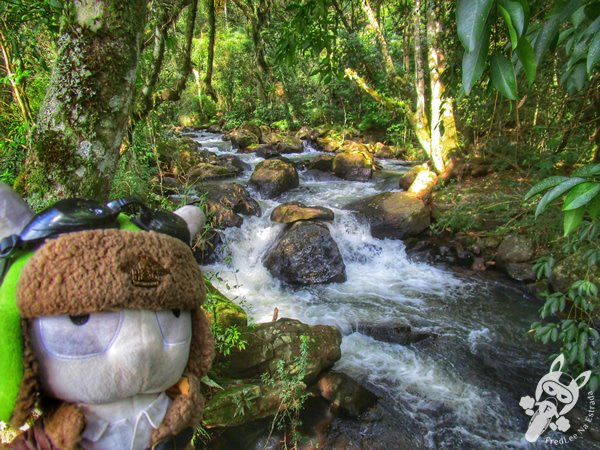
x: 421, y: 121
x: 212, y: 32
x: 75, y: 147
x: 443, y: 128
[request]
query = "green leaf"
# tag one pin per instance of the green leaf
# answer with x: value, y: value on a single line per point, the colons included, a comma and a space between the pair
x: 527, y: 58
x: 511, y: 29
x: 517, y: 15
x: 473, y: 63
x: 587, y: 171
x: 546, y: 183
x: 471, y: 17
x: 593, y: 54
x: 594, y: 207
x: 210, y: 382
x: 557, y: 192
x: 572, y: 219
x: 561, y: 11
x: 575, y: 79
x: 503, y: 76
x: 581, y: 195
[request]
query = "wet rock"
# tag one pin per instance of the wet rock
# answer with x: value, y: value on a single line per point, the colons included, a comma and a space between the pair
x: 393, y: 215
x: 271, y: 342
x: 377, y: 428
x: 394, y: 333
x: 272, y: 177
x: 222, y: 310
x: 322, y: 162
x: 520, y: 271
x: 384, y: 151
x: 329, y: 144
x: 295, y: 211
x: 307, y: 133
x: 289, y: 145
x: 264, y: 151
x: 209, y: 171
x: 305, y: 253
x: 205, y: 245
x: 571, y: 268
x: 221, y: 217
x: 233, y: 196
x: 243, y: 137
x: 515, y: 249
x: 345, y: 393
x: 257, y: 400
x: 354, y: 166
x: 214, y: 129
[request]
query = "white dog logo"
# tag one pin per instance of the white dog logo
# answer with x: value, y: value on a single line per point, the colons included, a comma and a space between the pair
x: 556, y: 394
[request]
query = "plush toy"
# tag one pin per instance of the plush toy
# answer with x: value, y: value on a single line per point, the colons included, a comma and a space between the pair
x: 100, y: 324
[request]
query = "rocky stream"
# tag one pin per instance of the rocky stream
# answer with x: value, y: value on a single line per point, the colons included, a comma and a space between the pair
x: 445, y: 352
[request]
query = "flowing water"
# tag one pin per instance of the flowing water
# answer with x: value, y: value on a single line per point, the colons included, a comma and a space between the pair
x: 460, y: 390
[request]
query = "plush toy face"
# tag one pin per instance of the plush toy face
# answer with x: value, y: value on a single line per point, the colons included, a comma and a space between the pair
x: 107, y: 356
x: 104, y: 316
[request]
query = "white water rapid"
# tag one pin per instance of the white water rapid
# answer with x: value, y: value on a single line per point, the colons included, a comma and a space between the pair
x: 458, y: 391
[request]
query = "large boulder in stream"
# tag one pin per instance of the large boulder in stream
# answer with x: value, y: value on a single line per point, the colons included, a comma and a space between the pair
x: 273, y: 177
x: 295, y: 211
x: 353, y: 166
x: 305, y: 253
x: 243, y: 137
x: 269, y: 343
x: 224, y: 203
x: 393, y: 215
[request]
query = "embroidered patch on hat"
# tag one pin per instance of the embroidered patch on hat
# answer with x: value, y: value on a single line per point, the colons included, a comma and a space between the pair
x: 146, y: 272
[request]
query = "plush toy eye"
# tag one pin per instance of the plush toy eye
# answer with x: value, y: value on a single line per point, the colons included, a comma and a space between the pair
x: 80, y: 320
x: 175, y: 325
x: 77, y: 336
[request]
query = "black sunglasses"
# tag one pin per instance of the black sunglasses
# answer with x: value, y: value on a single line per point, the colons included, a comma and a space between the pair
x: 76, y: 214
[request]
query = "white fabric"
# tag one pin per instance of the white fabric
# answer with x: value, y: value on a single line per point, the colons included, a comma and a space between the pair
x: 125, y: 424
x: 147, y: 355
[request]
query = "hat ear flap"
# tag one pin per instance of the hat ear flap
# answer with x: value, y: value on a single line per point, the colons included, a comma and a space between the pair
x: 28, y: 389
x: 14, y: 212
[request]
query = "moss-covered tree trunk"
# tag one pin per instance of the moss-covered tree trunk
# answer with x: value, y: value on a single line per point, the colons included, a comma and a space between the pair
x: 75, y: 147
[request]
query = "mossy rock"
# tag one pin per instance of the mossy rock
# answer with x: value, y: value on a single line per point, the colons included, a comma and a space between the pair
x: 238, y: 404
x: 268, y: 343
x: 573, y: 268
x: 227, y: 312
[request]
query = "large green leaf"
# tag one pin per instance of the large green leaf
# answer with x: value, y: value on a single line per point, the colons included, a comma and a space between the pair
x: 503, y: 76
x: 561, y: 11
x: 527, y: 58
x: 593, y: 53
x: 581, y: 195
x: 546, y: 183
x: 511, y: 29
x: 587, y: 171
x: 593, y: 207
x: 516, y: 13
x: 557, y: 192
x: 473, y: 63
x: 572, y: 220
x: 575, y: 79
x: 471, y: 17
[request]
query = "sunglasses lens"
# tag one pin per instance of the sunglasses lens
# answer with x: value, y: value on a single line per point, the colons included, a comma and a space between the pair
x: 68, y: 215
